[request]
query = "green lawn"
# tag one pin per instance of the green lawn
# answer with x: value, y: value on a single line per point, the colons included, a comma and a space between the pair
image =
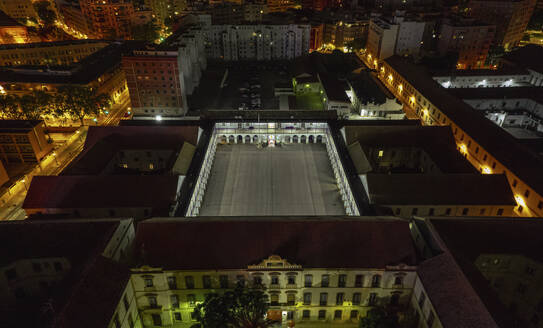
x: 311, y: 101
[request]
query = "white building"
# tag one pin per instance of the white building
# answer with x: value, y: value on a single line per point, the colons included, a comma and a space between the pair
x: 397, y: 35
x: 257, y: 42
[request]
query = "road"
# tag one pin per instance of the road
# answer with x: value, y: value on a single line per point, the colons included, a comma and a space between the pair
x: 117, y: 111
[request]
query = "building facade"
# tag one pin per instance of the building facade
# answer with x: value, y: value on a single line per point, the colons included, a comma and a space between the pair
x: 258, y: 42
x: 21, y: 10
x: 109, y: 19
x: 155, y: 82
x: 23, y: 141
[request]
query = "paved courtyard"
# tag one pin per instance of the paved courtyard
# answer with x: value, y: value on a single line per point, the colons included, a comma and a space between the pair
x: 296, y: 179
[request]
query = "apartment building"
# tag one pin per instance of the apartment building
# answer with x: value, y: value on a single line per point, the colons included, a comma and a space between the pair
x: 275, y: 6
x: 163, y: 9
x: 470, y: 39
x: 258, y: 42
x: 23, y: 141
x: 11, y: 31
x: 510, y: 18
x: 109, y: 19
x: 501, y: 154
x: 396, y: 35
x: 20, y: 9
x: 74, y: 18
x: 155, y: 82
x: 54, y: 53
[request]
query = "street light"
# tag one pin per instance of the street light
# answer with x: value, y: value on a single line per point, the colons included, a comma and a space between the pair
x: 56, y: 159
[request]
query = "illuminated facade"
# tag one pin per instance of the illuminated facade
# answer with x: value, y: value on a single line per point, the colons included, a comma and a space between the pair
x: 48, y: 53
x: 109, y: 19
x: 23, y: 141
x: 20, y: 9
x: 425, y: 99
x: 11, y: 31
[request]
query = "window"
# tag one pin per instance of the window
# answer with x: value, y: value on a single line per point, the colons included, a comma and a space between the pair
x: 274, y: 299
x: 514, y: 183
x: 308, y: 280
x: 223, y: 281
x: 206, y: 282
x: 290, y: 315
x: 325, y: 281
x: 354, y: 314
x: 307, y: 298
x: 126, y: 304
x: 527, y: 193
x: 339, y: 298
x: 291, y: 279
x: 175, y: 301
x: 177, y: 316
x: 337, y: 315
x: 148, y: 282
x: 342, y: 280
x: 305, y: 314
x: 430, y: 321
x: 172, y: 283
x: 540, y: 205
x: 157, y: 319
x: 422, y: 299
x: 395, y: 299
x: 189, y: 282
x: 520, y: 208
x: 398, y: 280
x: 322, y: 314
x: 191, y: 299
x: 323, y: 299
x: 448, y: 211
x: 465, y: 211
x: 500, y: 212
x: 274, y: 280
x: 358, y: 280
x: 58, y: 266
x: 257, y: 280
x: 36, y: 267
x: 431, y: 212
x: 356, y: 298
x: 376, y: 281
x: 291, y: 298
x: 152, y: 301
x: 414, y: 211
x: 373, y: 299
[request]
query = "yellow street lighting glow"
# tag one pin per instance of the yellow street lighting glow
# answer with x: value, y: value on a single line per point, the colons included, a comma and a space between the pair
x: 375, y: 62
x: 463, y: 148
x: 412, y: 99
x: 520, y: 200
x: 390, y: 77
x: 400, y: 87
x: 487, y: 170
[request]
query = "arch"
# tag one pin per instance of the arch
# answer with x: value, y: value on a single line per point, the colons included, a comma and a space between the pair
x: 255, y: 138
x: 223, y: 139
x: 231, y: 139
x: 295, y: 139
x: 247, y: 139
x: 240, y: 138
x: 303, y: 139
x: 287, y: 139
x: 319, y: 139
x: 311, y: 139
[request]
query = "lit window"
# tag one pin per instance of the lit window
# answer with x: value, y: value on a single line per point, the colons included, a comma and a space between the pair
x: 381, y: 153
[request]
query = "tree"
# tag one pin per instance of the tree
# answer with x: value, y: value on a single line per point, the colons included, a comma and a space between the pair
x: 9, y: 107
x: 47, y: 15
x: 28, y: 109
x: 378, y: 318
x: 81, y: 101
x: 148, y: 32
x: 240, y: 308
x: 494, y: 54
x: 357, y: 44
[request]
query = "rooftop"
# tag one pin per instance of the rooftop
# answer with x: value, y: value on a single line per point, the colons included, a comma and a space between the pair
x: 18, y: 126
x: 519, y: 159
x: 6, y: 21
x: 364, y: 243
x: 528, y: 57
x: 439, y: 189
x: 49, y: 44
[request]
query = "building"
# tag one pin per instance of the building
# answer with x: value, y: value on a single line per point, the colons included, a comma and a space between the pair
x: 254, y: 12
x: 139, y: 171
x: 381, y: 41
x: 526, y: 58
x: 510, y: 18
x: 413, y: 170
x: 155, y: 82
x: 434, y: 105
x: 317, y: 37
x: 308, y: 283
x: 23, y: 141
x: 11, y: 31
x: 19, y: 10
x: 317, y: 5
x: 471, y: 40
x: 109, y: 19
x: 56, y: 53
x: 258, y: 42
x: 275, y: 6
x: 73, y: 17
x: 68, y: 267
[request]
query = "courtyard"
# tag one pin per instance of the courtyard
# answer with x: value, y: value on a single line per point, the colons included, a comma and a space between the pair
x: 295, y: 179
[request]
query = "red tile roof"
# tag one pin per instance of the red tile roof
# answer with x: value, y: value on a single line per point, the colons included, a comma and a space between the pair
x: 116, y: 191
x: 234, y: 243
